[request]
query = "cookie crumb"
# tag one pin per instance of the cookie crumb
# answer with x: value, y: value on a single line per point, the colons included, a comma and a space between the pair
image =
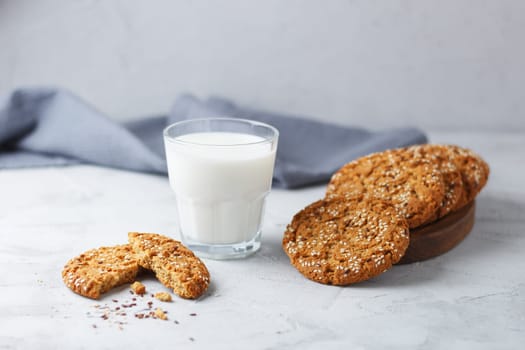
x: 160, y: 314
x: 138, y: 288
x: 163, y: 296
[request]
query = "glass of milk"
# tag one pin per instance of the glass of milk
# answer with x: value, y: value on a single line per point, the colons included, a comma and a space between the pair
x: 221, y: 172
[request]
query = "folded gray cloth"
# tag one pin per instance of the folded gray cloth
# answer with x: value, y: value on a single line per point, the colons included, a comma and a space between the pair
x: 50, y: 127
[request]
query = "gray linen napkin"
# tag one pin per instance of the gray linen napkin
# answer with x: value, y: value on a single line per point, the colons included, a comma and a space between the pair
x: 50, y: 127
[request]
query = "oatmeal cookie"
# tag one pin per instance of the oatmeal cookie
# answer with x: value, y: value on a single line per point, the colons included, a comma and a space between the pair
x: 455, y: 193
x: 474, y: 171
x: 414, y: 186
x: 346, y: 240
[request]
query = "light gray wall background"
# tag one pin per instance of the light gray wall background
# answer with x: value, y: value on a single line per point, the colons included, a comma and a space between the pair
x: 440, y: 64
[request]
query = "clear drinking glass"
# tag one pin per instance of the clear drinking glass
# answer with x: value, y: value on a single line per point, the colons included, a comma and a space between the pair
x: 221, y: 172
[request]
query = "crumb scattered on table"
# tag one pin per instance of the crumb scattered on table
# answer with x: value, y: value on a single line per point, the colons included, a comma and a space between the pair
x: 138, y: 288
x: 160, y: 314
x: 163, y: 296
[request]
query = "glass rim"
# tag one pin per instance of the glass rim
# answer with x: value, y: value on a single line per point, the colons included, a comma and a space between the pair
x: 274, y: 130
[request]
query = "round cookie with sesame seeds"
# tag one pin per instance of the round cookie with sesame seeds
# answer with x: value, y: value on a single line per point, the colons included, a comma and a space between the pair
x: 341, y: 241
x: 474, y: 170
x: 415, y: 186
x: 454, y: 187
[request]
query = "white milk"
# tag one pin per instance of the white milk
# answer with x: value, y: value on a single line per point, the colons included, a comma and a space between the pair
x: 220, y: 184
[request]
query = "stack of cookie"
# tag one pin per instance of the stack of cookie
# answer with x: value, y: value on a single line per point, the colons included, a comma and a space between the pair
x: 362, y: 226
x: 98, y: 270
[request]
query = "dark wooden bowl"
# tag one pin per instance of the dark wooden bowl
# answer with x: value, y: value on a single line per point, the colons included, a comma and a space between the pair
x: 440, y: 236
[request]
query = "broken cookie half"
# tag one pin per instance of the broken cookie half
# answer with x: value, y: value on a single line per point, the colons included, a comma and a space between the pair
x: 96, y: 271
x: 174, y: 265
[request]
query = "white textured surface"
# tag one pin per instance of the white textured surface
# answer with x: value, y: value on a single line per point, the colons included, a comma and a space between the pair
x: 432, y: 63
x: 471, y: 297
